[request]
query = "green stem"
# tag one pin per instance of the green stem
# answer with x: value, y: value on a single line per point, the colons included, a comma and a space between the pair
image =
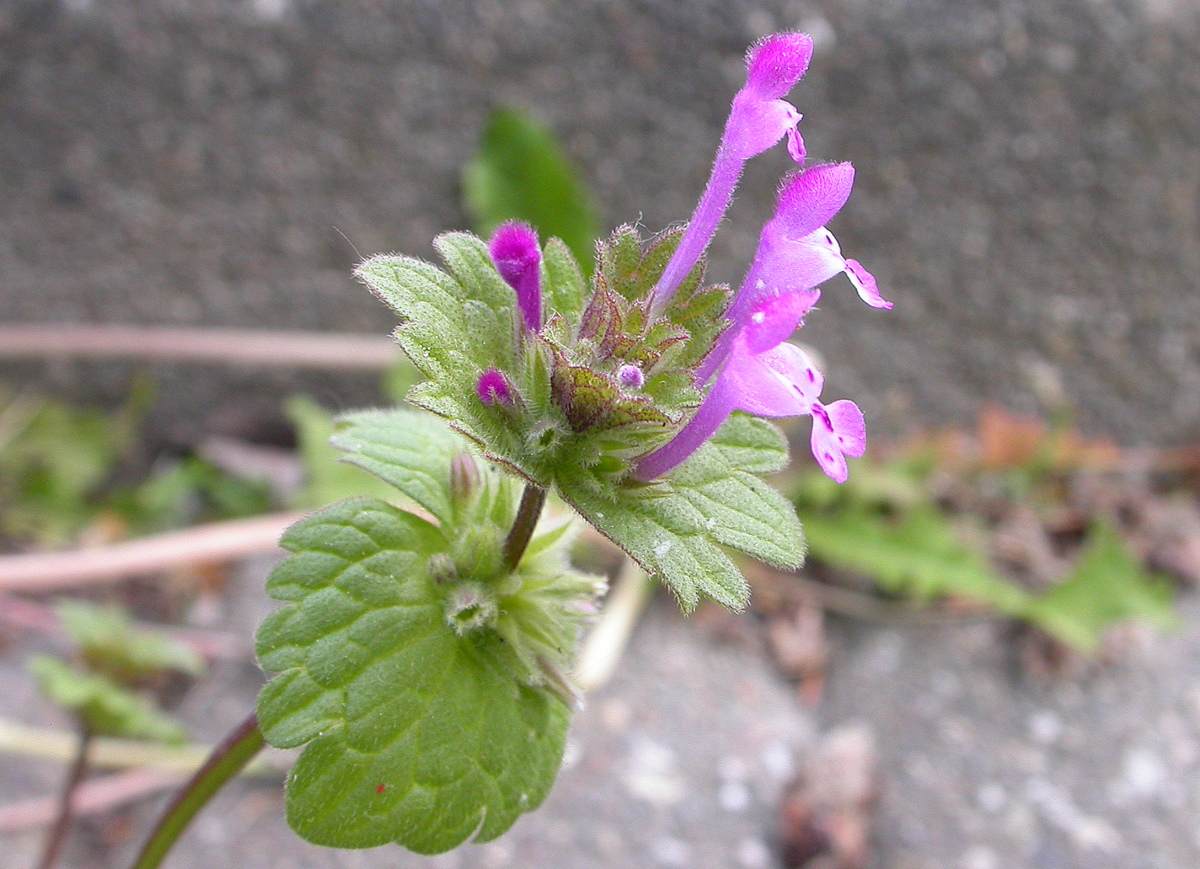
x: 528, y: 513
x: 226, y: 761
x: 62, y: 821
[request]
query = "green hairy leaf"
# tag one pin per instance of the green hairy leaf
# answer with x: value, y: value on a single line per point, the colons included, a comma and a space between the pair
x: 326, y: 477
x: 565, y: 288
x: 406, y: 448
x: 739, y: 509
x: 108, y: 709
x: 425, y: 677
x: 674, y: 527
x: 521, y: 173
x: 418, y: 734
x: 437, y: 333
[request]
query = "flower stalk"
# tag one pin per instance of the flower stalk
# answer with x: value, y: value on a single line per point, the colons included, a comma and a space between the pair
x: 57, y: 837
x: 528, y: 514
x: 225, y: 762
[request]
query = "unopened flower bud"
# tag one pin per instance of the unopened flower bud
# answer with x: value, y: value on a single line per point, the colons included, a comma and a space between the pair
x: 464, y: 478
x: 493, y: 388
x: 516, y: 255
x: 630, y: 377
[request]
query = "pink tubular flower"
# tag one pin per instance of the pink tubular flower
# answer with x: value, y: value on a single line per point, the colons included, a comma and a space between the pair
x: 756, y: 370
x: 759, y: 118
x: 517, y: 256
x: 776, y: 382
x: 795, y: 255
x: 796, y: 252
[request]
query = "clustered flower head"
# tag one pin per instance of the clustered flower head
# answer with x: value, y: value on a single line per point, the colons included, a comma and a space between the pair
x: 603, y: 369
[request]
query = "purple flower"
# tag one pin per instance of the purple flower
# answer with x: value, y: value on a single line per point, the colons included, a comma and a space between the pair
x: 516, y: 255
x: 759, y: 118
x: 775, y: 382
x: 631, y: 377
x: 492, y: 388
x: 755, y: 369
x: 796, y: 253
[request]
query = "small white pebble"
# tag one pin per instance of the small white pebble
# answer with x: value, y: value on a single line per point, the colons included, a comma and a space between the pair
x: 778, y: 762
x: 1143, y: 772
x: 734, y: 796
x: 271, y: 10
x: 992, y: 797
x: 980, y: 857
x: 753, y: 854
x: 731, y: 768
x: 671, y: 852
x: 1045, y: 727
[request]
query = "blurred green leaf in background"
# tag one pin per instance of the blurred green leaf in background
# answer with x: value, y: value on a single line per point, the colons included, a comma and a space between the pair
x: 1106, y: 585
x: 521, y: 173
x: 55, y: 459
x: 107, y: 708
x: 885, y: 525
x: 110, y: 644
x: 882, y: 524
x: 113, y: 660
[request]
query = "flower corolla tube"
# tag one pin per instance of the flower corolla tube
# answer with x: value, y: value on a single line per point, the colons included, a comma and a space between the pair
x: 753, y: 367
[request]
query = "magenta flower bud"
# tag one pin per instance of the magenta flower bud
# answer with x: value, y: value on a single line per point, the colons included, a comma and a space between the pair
x: 517, y: 256
x: 631, y: 377
x: 493, y: 388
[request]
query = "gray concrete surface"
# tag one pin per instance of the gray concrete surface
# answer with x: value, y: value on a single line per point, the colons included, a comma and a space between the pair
x: 681, y: 760
x: 1029, y: 176
x: 987, y: 768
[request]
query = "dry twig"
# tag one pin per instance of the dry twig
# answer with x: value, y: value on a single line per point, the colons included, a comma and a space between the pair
x: 204, y: 544
x: 42, y: 619
x: 90, y: 798
x: 256, y: 348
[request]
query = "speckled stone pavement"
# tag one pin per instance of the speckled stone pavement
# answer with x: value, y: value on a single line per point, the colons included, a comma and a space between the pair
x: 681, y: 760
x: 1028, y: 182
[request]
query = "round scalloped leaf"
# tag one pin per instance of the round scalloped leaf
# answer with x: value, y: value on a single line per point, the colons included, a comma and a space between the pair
x: 416, y: 735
